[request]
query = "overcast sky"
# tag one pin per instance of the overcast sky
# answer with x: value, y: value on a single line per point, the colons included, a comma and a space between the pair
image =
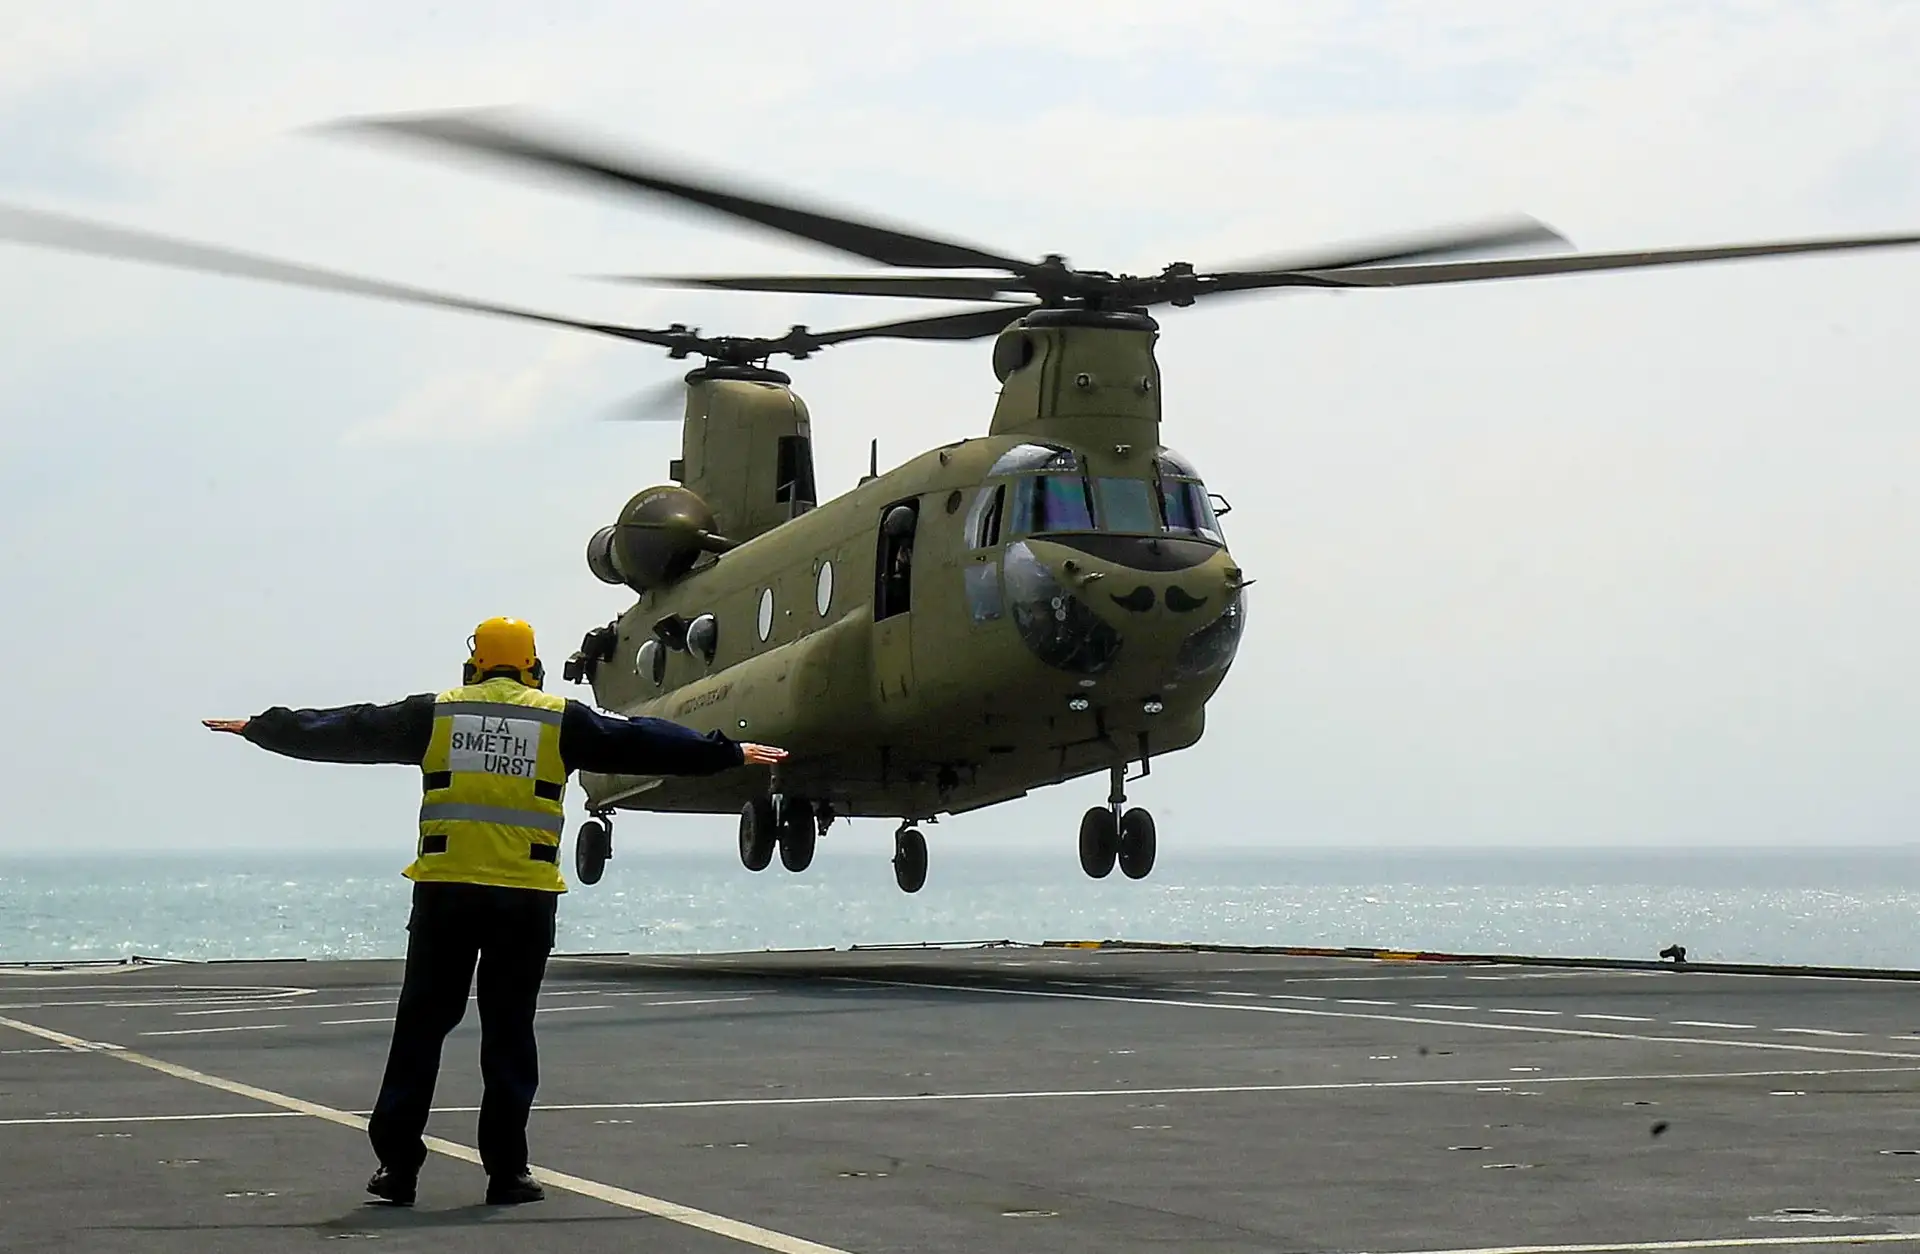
x: 1608, y: 560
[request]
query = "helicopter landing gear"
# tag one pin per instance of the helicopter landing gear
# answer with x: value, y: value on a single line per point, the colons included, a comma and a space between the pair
x: 783, y: 823
x: 757, y: 834
x: 797, y: 830
x: 592, y: 846
x: 909, y: 858
x: 1137, y: 844
x: 1110, y: 834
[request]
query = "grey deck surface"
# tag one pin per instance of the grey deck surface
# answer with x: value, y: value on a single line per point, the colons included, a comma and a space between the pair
x: 1001, y: 1099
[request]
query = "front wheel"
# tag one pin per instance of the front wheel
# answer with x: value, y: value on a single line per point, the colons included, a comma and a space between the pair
x: 1137, y: 844
x: 1099, y: 842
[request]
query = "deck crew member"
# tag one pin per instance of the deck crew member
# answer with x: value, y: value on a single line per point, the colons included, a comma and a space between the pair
x: 495, y: 753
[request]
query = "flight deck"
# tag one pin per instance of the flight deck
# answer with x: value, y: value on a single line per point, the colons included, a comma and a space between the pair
x: 986, y: 1099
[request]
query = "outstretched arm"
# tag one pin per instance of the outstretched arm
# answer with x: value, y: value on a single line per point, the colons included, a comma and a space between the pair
x: 609, y: 745
x: 394, y: 734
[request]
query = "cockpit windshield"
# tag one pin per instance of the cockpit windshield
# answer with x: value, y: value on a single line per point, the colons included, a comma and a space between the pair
x: 1043, y: 503
x: 1044, y: 489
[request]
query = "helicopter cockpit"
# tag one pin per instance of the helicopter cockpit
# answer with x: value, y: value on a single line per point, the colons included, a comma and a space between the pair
x: 1039, y: 489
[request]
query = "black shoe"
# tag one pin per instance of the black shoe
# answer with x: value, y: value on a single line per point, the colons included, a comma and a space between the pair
x: 392, y: 1188
x: 513, y: 1190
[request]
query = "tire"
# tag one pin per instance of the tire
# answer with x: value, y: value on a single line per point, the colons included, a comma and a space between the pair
x: 757, y: 836
x: 797, y: 837
x: 1137, y: 844
x: 910, y: 860
x: 1099, y: 842
x: 592, y: 846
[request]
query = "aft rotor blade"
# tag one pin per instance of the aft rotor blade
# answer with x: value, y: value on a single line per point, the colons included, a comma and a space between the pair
x: 1445, y: 241
x: 51, y: 230
x: 471, y: 131
x: 974, y: 324
x: 665, y: 402
x: 923, y: 287
x: 1525, y: 267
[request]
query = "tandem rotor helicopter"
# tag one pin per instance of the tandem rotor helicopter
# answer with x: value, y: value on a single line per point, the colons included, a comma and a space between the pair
x: 1050, y: 600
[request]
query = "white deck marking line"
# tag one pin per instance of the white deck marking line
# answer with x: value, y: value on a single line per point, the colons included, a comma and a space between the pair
x: 238, y: 1027
x: 265, y: 1000
x: 1361, y: 1001
x: 196, y: 1118
x: 1617, y: 1018
x: 1347, y: 979
x: 1515, y: 1010
x: 1704, y: 1243
x: 1472, y: 1025
x: 334, y: 1023
x: 1436, y: 1005
x: 727, y: 995
x: 276, y: 1009
x: 567, y: 1010
x: 1329, y: 1086
x: 1819, y: 1032
x: 720, y: 1225
x: 1708, y: 1023
x: 1294, y: 997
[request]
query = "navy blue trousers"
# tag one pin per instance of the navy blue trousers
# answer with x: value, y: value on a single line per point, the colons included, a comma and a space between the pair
x: 507, y: 934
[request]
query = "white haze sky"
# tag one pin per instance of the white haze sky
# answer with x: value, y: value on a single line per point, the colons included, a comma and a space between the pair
x: 1611, y: 560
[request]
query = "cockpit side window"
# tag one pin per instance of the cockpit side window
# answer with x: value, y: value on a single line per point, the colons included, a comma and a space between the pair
x: 1189, y: 511
x: 983, y: 520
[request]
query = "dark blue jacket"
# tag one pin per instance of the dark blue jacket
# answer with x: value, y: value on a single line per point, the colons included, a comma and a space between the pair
x: 398, y: 733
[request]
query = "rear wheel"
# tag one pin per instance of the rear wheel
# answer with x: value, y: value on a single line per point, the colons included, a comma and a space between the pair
x: 592, y: 846
x: 757, y: 836
x: 797, y: 834
x: 910, y: 860
x: 1099, y: 842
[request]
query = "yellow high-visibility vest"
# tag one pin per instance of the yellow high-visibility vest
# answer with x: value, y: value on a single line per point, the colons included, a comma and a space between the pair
x: 494, y: 800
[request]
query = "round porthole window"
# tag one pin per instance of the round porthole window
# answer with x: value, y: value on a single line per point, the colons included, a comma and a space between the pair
x: 703, y: 637
x: 823, y: 591
x: 650, y: 661
x: 766, y: 613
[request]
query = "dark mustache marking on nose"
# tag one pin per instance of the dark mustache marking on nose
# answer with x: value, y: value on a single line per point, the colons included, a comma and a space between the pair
x: 1181, y: 602
x: 1140, y: 600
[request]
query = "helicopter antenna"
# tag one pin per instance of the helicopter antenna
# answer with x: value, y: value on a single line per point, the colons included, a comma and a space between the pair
x: 873, y: 461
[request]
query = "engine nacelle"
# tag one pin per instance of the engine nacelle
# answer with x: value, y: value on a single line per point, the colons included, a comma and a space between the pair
x: 660, y: 535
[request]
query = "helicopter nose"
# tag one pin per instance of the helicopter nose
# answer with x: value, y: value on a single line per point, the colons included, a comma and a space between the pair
x: 1178, y: 600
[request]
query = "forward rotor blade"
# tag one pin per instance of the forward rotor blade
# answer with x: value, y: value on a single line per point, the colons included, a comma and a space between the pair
x: 51, y: 230
x: 471, y: 131
x: 924, y: 287
x: 974, y: 324
x: 1441, y: 242
x: 1525, y: 267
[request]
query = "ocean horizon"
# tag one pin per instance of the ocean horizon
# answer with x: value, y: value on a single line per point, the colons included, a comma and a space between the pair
x: 1838, y: 907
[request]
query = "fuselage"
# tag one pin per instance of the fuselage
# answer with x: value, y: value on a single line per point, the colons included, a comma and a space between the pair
x: 994, y: 616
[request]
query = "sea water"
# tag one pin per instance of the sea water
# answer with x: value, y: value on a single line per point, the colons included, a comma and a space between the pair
x: 1855, y: 907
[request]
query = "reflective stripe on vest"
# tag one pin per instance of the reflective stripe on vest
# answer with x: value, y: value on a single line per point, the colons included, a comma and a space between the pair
x: 494, y: 788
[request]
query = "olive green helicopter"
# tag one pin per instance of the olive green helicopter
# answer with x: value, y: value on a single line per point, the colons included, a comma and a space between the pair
x: 1050, y: 600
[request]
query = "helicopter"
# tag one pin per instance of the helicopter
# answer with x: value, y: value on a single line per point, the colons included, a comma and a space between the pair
x: 1051, y: 600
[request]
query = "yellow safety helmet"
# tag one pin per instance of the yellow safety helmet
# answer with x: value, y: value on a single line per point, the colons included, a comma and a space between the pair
x: 504, y: 644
